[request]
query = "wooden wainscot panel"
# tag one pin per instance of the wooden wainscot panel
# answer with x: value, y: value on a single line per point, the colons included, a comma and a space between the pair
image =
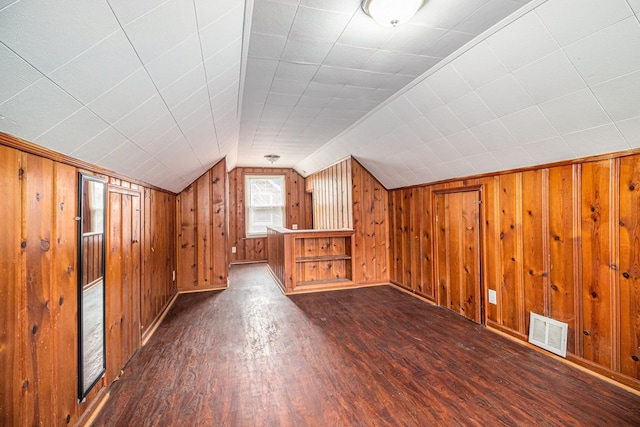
x: 11, y: 270
x: 202, y: 239
x: 510, y: 293
x: 492, y: 262
x: 598, y: 257
x: 564, y: 233
x: 629, y: 273
x: 535, y: 242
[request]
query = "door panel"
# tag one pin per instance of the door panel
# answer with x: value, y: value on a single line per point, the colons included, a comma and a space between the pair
x: 458, y: 252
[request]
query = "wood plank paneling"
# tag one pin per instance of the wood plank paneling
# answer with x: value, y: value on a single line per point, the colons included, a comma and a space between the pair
x: 597, y: 257
x: 629, y: 273
x: 202, y: 239
x: 38, y: 289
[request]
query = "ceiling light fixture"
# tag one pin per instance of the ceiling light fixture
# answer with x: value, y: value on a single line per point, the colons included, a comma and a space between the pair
x: 391, y: 13
x: 272, y: 158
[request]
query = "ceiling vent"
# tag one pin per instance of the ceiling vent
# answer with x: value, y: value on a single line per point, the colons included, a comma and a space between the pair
x: 549, y: 334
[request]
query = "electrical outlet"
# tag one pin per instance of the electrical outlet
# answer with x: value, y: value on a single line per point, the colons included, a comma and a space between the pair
x: 174, y: 275
x: 492, y: 297
x: 233, y: 249
x: 294, y: 226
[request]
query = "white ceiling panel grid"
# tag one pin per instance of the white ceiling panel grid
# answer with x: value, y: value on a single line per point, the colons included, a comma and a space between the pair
x: 152, y: 89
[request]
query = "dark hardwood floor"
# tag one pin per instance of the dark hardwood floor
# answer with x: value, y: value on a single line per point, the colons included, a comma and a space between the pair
x: 250, y: 356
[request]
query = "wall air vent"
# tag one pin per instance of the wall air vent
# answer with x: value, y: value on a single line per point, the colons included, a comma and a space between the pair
x: 549, y: 334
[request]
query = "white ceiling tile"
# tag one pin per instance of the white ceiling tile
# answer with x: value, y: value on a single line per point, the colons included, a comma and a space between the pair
x: 274, y: 18
x: 404, y: 109
x: 16, y: 74
x: 465, y: 142
x: 306, y: 51
x: 479, y: 66
x: 211, y: 10
x: 98, y: 69
x: 414, y: 39
x: 73, y: 132
x: 127, y: 11
x: 483, y: 163
x: 505, y: 96
x: 529, y: 125
x: 598, y: 140
x: 549, y: 77
x: 125, y: 158
x: 522, y: 42
x: 445, y: 121
x: 424, y: 130
x: 570, y: 20
x: 457, y: 168
x: 202, y: 138
x: 487, y: 15
x: 635, y: 5
x: 296, y: 72
x: 195, y: 101
x: 418, y: 64
x: 318, y: 25
x: 332, y: 5
x: 223, y: 60
x: 222, y: 33
x: 201, y: 113
x: 162, y: 29
x: 158, y: 134
x: 404, y: 139
x: 176, y: 62
x: 619, y: 97
x: 125, y: 97
x: 424, y: 98
x: 493, y: 135
x: 630, y: 130
x: 609, y: 53
x: 447, y: 84
x: 471, y: 110
x: 446, y: 13
x: 30, y: 113
x: 266, y: 46
x: 444, y: 150
x: 140, y: 117
x: 188, y: 84
x: 549, y: 151
x: 383, y: 61
x: 342, y: 56
x: 512, y: 158
x: 48, y: 36
x: 577, y: 111
x: 99, y: 146
x: 362, y: 31
x: 449, y: 42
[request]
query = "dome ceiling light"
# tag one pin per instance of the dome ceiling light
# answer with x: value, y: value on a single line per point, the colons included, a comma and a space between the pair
x: 391, y: 13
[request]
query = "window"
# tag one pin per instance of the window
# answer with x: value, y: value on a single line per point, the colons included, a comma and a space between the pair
x: 265, y: 199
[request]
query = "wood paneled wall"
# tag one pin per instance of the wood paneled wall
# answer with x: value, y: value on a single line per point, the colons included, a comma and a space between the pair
x: 347, y: 187
x: 560, y: 241
x: 202, y: 234
x: 297, y: 205
x: 38, y: 288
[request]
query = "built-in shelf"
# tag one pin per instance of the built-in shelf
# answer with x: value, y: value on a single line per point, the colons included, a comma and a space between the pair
x: 304, y: 260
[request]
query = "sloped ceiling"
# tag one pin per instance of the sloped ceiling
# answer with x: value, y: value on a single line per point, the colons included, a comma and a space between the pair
x: 160, y: 91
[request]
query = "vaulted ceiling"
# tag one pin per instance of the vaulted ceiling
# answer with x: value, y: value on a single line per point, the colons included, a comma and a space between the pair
x: 160, y: 91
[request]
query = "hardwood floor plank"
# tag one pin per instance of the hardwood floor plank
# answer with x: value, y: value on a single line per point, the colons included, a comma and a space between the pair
x: 250, y: 356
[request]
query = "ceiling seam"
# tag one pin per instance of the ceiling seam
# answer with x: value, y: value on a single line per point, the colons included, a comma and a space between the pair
x: 154, y: 85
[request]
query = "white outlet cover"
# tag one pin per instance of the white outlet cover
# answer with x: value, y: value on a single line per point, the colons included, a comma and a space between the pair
x: 233, y: 249
x: 294, y: 226
x: 492, y: 297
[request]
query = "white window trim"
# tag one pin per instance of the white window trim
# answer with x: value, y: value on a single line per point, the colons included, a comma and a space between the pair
x: 247, y: 201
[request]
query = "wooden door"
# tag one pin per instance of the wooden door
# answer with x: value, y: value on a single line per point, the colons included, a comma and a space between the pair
x: 122, y: 278
x: 458, y: 252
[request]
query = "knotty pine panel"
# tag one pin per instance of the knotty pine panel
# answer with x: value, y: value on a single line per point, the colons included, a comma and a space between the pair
x: 11, y: 270
x: 629, y: 272
x: 598, y: 255
x: 38, y: 287
x: 510, y: 292
x: 491, y: 259
x: 297, y: 207
x: 535, y: 241
x: 564, y: 234
x: 202, y: 239
x: 370, y: 203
